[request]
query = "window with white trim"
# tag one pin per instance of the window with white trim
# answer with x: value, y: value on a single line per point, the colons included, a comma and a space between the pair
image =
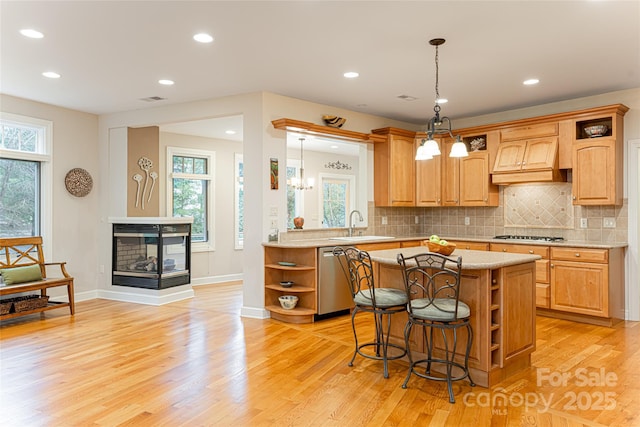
x: 191, y: 184
x: 25, y: 177
x: 336, y: 199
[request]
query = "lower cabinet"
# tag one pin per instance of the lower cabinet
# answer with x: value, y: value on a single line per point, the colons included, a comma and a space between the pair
x: 588, y: 282
x: 542, y: 267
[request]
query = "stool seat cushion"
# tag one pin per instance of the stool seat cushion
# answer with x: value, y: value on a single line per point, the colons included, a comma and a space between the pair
x: 385, y: 297
x: 441, y: 309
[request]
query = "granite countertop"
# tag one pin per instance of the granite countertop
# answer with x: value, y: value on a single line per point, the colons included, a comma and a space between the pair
x: 327, y: 242
x: 471, y: 260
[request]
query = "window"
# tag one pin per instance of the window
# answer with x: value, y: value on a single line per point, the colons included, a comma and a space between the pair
x: 239, y: 202
x: 191, y: 183
x: 295, y: 198
x: 25, y: 177
x: 337, y: 199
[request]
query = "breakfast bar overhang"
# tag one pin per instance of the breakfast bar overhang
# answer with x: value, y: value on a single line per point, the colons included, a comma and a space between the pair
x: 500, y: 290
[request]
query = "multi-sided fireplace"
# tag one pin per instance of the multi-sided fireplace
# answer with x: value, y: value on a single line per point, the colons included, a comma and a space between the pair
x: 151, y: 255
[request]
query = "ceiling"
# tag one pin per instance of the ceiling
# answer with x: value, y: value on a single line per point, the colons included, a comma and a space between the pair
x: 111, y: 54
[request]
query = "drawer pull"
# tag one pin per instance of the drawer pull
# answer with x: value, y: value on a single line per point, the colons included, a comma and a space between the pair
x: 578, y: 254
x: 530, y: 252
x: 504, y: 250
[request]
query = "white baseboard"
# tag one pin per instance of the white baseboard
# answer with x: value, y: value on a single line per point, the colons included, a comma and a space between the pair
x: 254, y: 313
x: 148, y: 296
x: 77, y: 297
x: 216, y: 279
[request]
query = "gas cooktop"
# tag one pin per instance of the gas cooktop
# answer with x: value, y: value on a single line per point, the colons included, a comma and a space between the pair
x: 516, y: 237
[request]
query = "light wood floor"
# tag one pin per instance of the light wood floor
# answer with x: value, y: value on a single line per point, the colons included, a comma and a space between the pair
x: 198, y: 363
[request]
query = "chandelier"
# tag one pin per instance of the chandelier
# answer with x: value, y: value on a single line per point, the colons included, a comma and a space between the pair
x: 439, y: 125
x: 301, y: 183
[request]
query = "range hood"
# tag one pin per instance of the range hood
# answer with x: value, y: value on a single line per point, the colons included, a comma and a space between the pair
x: 533, y: 160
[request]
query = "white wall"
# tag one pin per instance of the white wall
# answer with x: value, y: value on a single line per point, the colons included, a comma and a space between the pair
x: 225, y: 263
x: 75, y: 145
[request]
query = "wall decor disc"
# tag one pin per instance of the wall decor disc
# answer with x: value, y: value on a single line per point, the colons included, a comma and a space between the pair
x: 78, y: 182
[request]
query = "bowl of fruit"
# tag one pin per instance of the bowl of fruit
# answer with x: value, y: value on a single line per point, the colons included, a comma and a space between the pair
x: 440, y: 246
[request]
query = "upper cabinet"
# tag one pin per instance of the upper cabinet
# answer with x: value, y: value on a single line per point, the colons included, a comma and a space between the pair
x: 597, y: 156
x: 528, y: 153
x: 466, y: 181
x: 428, y: 177
x: 394, y: 167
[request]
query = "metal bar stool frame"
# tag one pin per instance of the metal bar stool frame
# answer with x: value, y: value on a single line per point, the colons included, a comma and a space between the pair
x: 433, y: 290
x: 358, y: 268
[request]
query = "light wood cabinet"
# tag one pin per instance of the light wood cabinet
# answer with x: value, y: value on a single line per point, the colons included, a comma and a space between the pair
x: 474, y: 246
x: 527, y: 160
x: 598, y: 161
x: 429, y: 178
x: 394, y: 167
x: 303, y: 273
x: 586, y: 281
x: 542, y: 267
x: 466, y: 181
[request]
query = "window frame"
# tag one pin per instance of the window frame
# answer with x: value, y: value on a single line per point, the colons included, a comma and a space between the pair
x: 44, y: 148
x: 351, y: 183
x: 210, y: 156
x: 238, y: 243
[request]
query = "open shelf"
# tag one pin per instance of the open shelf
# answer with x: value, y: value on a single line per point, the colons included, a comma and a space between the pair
x: 293, y: 289
x: 49, y: 306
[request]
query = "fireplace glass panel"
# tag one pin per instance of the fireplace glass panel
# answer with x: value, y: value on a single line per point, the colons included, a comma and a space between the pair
x: 151, y: 255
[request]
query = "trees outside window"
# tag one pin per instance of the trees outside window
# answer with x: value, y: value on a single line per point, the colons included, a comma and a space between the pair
x: 25, y: 176
x: 192, y: 192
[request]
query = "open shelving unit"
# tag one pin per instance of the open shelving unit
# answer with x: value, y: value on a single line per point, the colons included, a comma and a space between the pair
x: 303, y: 274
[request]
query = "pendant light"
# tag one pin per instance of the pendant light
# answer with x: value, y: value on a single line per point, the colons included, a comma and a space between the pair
x: 439, y: 125
x: 302, y: 183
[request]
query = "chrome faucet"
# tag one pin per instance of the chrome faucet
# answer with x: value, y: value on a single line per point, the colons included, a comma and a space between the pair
x: 351, y: 224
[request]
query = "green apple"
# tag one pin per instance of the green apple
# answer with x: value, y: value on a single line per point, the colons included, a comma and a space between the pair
x: 443, y: 242
x: 434, y: 238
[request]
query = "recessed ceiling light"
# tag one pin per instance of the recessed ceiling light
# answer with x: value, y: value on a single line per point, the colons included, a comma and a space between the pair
x: 335, y: 147
x: 530, y: 82
x: 166, y: 82
x: 51, y: 74
x: 442, y: 101
x: 230, y: 132
x: 203, y: 38
x: 32, y: 34
x: 351, y: 74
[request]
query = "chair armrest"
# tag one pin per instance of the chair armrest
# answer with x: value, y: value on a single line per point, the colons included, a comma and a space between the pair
x: 62, y: 267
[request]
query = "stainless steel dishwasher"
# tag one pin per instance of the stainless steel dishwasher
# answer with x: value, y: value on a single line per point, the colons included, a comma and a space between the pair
x: 333, y: 288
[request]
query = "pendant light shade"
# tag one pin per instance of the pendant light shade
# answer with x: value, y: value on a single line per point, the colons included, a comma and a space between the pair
x: 440, y: 125
x: 458, y: 149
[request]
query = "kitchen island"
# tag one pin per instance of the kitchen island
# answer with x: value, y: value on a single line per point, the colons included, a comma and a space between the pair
x: 500, y: 290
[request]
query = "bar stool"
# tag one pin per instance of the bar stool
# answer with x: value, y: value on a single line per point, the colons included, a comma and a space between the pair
x: 370, y: 298
x: 433, y: 289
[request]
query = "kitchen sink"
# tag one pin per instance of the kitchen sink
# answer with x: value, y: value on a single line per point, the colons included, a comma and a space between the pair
x: 359, y: 238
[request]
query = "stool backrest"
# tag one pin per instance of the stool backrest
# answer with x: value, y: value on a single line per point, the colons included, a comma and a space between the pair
x: 358, y: 268
x: 432, y: 281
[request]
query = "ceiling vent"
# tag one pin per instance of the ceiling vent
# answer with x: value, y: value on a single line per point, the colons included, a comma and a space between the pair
x: 152, y: 99
x: 407, y: 97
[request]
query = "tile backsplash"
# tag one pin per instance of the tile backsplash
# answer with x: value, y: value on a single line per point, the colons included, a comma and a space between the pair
x: 542, y: 209
x: 527, y: 209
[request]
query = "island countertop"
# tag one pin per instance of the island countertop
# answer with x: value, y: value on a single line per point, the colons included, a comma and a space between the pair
x: 471, y: 260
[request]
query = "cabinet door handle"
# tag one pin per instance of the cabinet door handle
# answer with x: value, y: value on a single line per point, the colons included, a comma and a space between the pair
x: 574, y: 197
x: 504, y: 250
x: 552, y: 265
x: 578, y: 254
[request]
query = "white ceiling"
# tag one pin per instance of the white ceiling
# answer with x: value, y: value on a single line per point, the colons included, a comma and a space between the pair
x: 112, y: 53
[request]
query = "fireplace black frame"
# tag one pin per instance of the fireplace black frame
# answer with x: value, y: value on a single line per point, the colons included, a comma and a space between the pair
x: 154, y: 238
